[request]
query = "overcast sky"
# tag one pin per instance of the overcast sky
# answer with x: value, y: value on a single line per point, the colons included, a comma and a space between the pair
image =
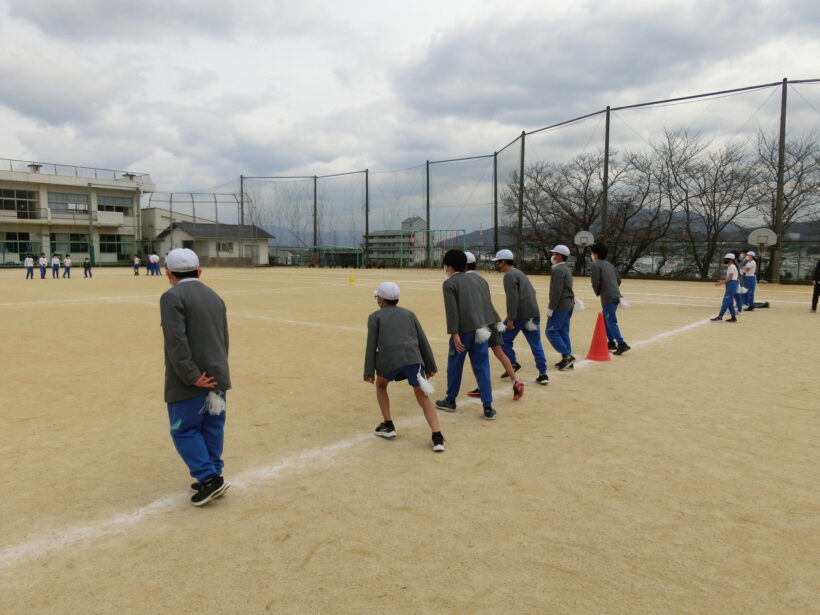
x: 196, y: 92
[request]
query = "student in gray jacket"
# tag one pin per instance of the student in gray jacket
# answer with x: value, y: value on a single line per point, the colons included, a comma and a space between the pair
x: 606, y: 283
x: 522, y: 314
x: 397, y: 349
x: 195, y: 331
x: 465, y: 312
x: 561, y: 306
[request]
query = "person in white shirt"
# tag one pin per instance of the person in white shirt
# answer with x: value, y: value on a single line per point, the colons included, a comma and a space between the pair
x: 731, y: 287
x: 67, y: 266
x: 28, y: 263
x: 136, y: 265
x: 43, y: 263
x: 154, y: 260
x: 55, y: 266
x: 749, y: 269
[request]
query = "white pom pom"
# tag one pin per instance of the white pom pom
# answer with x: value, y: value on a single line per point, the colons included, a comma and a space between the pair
x: 501, y: 327
x: 425, y: 385
x: 624, y: 303
x: 530, y: 326
x: 580, y: 306
x: 215, y: 403
x: 482, y: 334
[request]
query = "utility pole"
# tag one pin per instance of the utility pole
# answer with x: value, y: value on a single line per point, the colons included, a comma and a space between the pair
x: 777, y: 249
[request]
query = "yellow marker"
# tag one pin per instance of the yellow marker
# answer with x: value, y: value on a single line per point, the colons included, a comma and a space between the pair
x: 352, y: 279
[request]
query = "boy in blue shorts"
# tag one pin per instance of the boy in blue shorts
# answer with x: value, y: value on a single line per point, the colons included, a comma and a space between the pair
x: 397, y: 349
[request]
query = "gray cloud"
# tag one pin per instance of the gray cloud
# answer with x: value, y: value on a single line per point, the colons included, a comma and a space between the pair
x: 535, y: 72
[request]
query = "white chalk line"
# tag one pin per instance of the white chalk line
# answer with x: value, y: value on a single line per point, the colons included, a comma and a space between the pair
x: 60, y: 539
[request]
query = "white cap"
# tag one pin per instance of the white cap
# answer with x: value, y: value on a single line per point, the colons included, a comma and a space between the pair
x: 470, y: 257
x: 730, y: 255
x: 387, y: 290
x: 182, y: 259
x: 503, y: 255
x: 750, y: 253
x: 561, y: 249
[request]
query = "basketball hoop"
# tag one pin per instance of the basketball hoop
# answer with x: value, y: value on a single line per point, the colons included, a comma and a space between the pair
x: 583, y: 239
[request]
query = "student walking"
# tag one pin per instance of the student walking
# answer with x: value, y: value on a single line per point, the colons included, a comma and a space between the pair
x: 28, y: 263
x: 815, y: 282
x: 522, y: 314
x: 55, y: 266
x: 43, y: 264
x: 606, y: 284
x: 136, y: 264
x: 67, y: 266
x: 493, y: 320
x: 397, y: 349
x: 731, y: 287
x: 87, y: 268
x: 463, y: 307
x: 561, y: 306
x: 749, y: 269
x: 195, y: 331
x: 740, y: 296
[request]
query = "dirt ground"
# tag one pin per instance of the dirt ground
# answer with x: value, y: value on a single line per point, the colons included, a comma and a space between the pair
x: 679, y: 478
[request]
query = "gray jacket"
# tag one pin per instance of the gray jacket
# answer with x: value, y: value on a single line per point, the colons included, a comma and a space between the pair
x: 395, y: 339
x: 463, y: 303
x: 521, y: 301
x: 561, y: 296
x: 195, y: 329
x: 490, y: 315
x: 606, y: 281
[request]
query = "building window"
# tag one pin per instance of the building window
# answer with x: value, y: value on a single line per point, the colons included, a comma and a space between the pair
x: 225, y: 247
x: 67, y: 202
x: 24, y: 202
x: 121, y: 245
x: 17, y: 242
x: 121, y: 204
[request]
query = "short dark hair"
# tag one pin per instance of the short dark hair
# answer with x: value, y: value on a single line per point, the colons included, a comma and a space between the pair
x: 390, y: 301
x: 509, y: 261
x: 456, y: 259
x: 599, y: 249
x: 181, y: 275
x: 470, y: 266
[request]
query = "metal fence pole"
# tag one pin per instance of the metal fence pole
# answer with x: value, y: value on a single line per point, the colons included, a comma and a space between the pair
x: 315, y: 219
x: 495, y: 201
x: 366, y: 216
x: 777, y: 250
x: 429, y: 255
x: 605, y: 187
x: 216, y: 219
x: 520, y: 241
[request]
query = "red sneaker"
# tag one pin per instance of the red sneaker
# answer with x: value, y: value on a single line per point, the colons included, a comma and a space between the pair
x: 474, y: 393
x: 518, y: 390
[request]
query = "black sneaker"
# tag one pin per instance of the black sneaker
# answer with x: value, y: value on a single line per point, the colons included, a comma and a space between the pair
x: 716, y: 318
x: 732, y: 319
x: 385, y: 430
x: 438, y: 442
x: 566, y: 363
x: 209, y: 490
x: 446, y: 404
x: 516, y: 367
x: 611, y: 345
x: 622, y: 348
x: 474, y: 393
x: 543, y: 379
x: 489, y: 413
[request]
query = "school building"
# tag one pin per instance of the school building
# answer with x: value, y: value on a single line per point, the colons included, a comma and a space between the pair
x: 399, y: 247
x: 66, y: 209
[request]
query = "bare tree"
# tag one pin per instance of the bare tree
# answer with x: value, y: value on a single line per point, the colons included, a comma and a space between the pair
x: 713, y: 188
x: 801, y: 180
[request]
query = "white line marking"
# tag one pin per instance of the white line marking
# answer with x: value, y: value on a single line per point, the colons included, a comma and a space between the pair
x: 59, y: 539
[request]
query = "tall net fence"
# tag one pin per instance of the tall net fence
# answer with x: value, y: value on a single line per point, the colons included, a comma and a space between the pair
x: 669, y: 185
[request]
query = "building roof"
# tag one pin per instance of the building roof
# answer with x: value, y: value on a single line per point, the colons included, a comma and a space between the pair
x: 209, y: 230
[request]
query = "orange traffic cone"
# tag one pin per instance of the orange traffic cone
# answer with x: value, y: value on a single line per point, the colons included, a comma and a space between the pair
x: 598, y: 350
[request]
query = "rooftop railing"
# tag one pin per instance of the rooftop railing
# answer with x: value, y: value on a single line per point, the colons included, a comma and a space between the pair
x: 47, y: 168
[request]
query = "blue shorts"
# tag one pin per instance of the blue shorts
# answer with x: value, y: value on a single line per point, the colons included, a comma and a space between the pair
x: 408, y: 372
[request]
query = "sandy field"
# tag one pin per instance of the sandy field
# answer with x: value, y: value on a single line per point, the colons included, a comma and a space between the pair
x: 681, y: 477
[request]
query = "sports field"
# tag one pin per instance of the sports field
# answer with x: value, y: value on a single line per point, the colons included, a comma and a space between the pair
x: 681, y: 477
